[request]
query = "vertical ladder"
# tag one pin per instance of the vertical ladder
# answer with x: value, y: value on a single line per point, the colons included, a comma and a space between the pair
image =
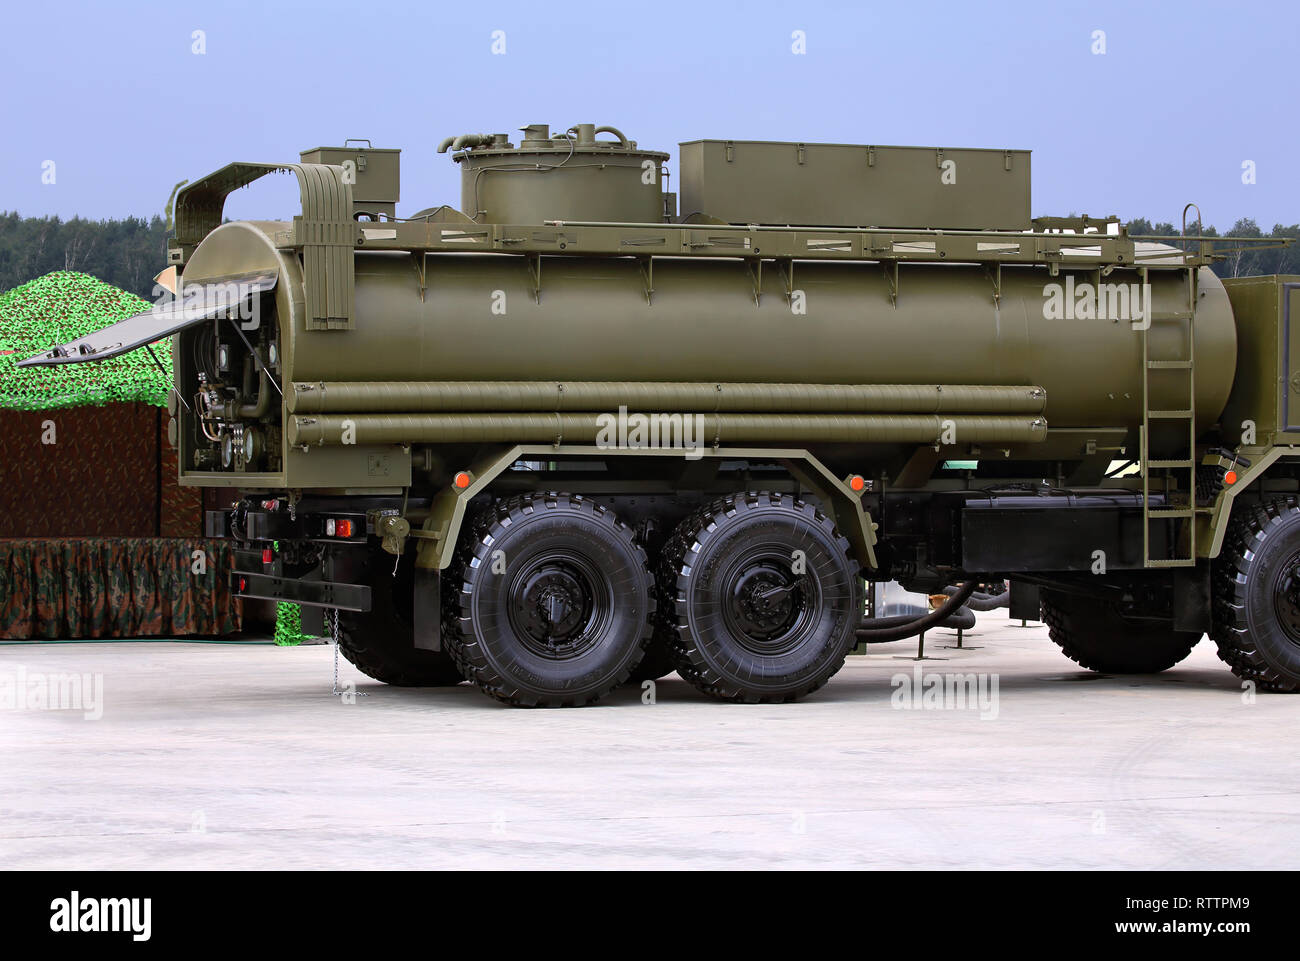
x: 1175, y: 470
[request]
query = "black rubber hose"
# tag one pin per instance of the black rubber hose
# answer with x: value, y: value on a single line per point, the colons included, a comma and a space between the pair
x: 961, y: 620
x: 880, y: 635
x: 984, y: 602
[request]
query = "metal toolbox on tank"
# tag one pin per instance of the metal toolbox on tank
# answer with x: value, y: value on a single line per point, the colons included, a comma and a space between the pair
x: 852, y: 185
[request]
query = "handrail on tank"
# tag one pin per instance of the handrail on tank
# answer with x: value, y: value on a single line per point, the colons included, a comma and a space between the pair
x: 1209, y: 252
x: 931, y: 231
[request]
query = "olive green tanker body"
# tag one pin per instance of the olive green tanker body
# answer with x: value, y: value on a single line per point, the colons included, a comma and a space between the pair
x: 479, y: 319
x: 573, y: 437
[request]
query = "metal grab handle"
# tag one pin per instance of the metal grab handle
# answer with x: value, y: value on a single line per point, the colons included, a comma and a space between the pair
x: 622, y: 140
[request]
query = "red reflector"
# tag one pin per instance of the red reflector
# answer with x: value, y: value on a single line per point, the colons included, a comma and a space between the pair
x: 243, y: 583
x: 1230, y: 478
x: 343, y: 528
x: 267, y: 556
x: 856, y: 483
x: 461, y: 480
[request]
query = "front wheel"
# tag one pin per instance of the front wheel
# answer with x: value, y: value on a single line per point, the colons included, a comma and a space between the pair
x: 1256, y: 592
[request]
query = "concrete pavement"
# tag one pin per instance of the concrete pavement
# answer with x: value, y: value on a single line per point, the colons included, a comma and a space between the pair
x: 238, y: 756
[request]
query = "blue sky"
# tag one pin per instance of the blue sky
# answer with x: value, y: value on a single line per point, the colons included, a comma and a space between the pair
x: 1185, y: 92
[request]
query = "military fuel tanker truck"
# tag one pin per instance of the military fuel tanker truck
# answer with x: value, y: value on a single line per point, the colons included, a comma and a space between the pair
x: 584, y: 430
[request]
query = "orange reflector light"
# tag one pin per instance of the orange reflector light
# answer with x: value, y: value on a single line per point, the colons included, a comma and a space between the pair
x: 461, y: 480
x: 856, y: 483
x: 344, y: 528
x: 1230, y: 478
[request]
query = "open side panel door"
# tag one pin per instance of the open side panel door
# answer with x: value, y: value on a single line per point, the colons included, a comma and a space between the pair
x: 236, y: 297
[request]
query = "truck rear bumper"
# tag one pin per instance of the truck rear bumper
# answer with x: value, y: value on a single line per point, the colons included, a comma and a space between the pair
x: 269, y: 587
x: 260, y: 570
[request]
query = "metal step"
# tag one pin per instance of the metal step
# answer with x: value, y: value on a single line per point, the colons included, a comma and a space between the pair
x: 1169, y: 365
x: 1170, y: 463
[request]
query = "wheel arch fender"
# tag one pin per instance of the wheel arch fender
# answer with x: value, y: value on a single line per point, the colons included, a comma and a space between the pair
x: 440, y: 531
x: 1263, y: 462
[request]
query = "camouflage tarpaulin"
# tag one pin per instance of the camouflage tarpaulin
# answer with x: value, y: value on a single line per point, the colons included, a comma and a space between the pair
x: 115, y: 587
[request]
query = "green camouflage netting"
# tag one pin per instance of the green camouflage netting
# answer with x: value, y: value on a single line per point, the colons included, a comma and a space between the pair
x: 60, y: 307
x: 288, y: 625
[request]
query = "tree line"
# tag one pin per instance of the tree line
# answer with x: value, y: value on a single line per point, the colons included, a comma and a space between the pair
x: 128, y: 253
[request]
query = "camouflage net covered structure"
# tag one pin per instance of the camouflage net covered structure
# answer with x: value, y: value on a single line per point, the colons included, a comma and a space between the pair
x: 97, y: 538
x: 64, y: 306
x: 84, y: 445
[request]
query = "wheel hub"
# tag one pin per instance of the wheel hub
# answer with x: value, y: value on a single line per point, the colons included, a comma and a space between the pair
x: 1286, y: 598
x: 767, y: 604
x: 554, y: 608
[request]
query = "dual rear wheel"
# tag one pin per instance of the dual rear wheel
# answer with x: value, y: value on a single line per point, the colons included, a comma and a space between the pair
x: 754, y: 598
x: 551, y: 601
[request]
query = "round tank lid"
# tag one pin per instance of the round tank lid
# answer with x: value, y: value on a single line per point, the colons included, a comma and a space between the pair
x: 585, y: 138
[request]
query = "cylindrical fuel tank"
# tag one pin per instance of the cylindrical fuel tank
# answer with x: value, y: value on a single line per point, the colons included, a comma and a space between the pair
x: 486, y: 317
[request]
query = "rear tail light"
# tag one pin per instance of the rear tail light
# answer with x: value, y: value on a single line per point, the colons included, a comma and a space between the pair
x: 338, y: 527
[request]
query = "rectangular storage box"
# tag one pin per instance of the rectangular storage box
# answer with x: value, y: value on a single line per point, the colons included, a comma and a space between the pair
x: 849, y: 185
x: 378, y: 172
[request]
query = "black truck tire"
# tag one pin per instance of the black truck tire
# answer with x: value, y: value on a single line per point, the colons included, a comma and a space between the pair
x: 381, y: 642
x: 550, y: 601
x: 658, y: 661
x: 1256, y: 595
x: 744, y: 624
x: 1093, y: 634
